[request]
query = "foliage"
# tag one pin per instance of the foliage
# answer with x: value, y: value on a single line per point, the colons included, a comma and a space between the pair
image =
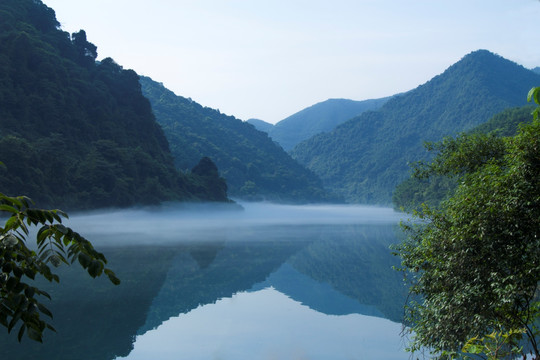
x: 365, y: 158
x: 253, y: 165
x: 427, y: 186
x: 209, y: 182
x: 56, y: 244
x: 497, y: 345
x: 74, y: 132
x: 476, y: 260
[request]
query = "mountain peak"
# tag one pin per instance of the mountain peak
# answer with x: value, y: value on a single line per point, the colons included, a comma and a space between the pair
x: 364, y: 158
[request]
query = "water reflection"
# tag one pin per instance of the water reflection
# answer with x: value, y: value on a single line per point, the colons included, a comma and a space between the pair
x: 267, y: 324
x: 194, y: 270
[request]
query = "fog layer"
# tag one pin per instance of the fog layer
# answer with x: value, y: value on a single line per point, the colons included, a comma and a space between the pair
x: 208, y: 222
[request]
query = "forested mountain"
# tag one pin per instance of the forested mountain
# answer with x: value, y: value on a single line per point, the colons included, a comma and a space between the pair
x: 318, y: 118
x: 73, y: 132
x: 414, y: 191
x: 366, y: 157
x: 253, y: 165
x: 260, y: 125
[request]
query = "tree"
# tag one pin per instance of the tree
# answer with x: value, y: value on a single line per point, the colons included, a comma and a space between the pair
x: 209, y: 181
x: 19, y: 263
x: 86, y: 51
x: 475, y: 261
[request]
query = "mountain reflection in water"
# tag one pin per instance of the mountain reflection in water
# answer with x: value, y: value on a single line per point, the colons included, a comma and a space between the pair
x: 289, y: 281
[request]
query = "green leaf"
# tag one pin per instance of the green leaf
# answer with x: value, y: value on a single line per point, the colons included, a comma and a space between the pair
x: 112, y: 276
x: 8, y: 208
x: 44, y: 310
x: 61, y: 228
x: 11, y: 223
x: 84, y: 260
x: 29, y: 292
x: 21, y: 332
x: 34, y: 334
x: 95, y: 268
x: 43, y: 232
x: 531, y: 94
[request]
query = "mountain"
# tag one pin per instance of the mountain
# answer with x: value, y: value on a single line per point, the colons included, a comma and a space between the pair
x: 253, y: 165
x: 318, y: 118
x: 260, y: 125
x: 364, y: 158
x: 77, y: 133
x: 411, y: 193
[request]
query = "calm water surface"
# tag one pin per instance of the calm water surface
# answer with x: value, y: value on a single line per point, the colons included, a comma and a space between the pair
x: 200, y: 282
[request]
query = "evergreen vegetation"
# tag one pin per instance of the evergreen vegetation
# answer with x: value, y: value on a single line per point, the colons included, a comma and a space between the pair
x: 253, y: 165
x: 475, y: 260
x: 366, y: 157
x: 75, y: 133
x: 431, y: 190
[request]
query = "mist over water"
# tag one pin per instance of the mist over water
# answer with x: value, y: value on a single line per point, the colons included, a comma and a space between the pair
x: 218, y: 281
x: 180, y: 222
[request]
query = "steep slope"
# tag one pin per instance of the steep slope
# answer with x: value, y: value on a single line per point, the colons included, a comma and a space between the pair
x: 261, y: 125
x: 366, y: 157
x: 253, y: 165
x: 75, y: 133
x: 318, y: 118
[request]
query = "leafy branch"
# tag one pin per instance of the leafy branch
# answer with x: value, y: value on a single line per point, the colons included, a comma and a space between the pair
x: 56, y: 244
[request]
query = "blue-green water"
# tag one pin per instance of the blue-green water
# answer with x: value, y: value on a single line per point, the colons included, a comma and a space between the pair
x: 198, y: 282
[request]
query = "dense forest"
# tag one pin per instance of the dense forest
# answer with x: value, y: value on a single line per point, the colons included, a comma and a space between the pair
x: 318, y: 118
x: 74, y: 132
x: 419, y: 189
x: 366, y: 157
x: 253, y: 165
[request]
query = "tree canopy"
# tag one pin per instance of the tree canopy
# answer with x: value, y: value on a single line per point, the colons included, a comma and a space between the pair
x: 255, y: 167
x: 76, y: 133
x: 475, y: 260
x: 426, y: 186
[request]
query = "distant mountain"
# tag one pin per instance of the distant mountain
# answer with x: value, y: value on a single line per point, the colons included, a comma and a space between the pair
x: 366, y: 157
x: 261, y: 125
x: 321, y: 117
x: 75, y: 133
x: 253, y: 165
x: 536, y: 69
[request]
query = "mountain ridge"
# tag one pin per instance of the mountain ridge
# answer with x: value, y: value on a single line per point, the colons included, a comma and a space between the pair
x: 317, y: 118
x: 253, y: 165
x: 364, y: 158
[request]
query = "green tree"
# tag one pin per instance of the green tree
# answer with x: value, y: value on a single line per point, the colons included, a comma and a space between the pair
x: 475, y: 261
x: 20, y: 263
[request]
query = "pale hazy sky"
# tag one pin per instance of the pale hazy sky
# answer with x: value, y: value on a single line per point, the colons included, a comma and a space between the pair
x: 269, y: 59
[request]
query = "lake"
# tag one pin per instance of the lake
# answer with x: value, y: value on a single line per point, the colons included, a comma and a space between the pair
x: 214, y: 282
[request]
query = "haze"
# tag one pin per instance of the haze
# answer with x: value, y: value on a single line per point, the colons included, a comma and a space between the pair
x: 268, y: 60
x: 173, y: 223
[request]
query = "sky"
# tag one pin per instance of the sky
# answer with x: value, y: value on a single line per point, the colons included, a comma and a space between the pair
x: 270, y: 59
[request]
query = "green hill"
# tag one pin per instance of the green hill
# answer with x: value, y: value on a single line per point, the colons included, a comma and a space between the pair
x: 253, y: 165
x: 318, y: 118
x: 76, y: 133
x: 366, y: 157
x: 413, y: 191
